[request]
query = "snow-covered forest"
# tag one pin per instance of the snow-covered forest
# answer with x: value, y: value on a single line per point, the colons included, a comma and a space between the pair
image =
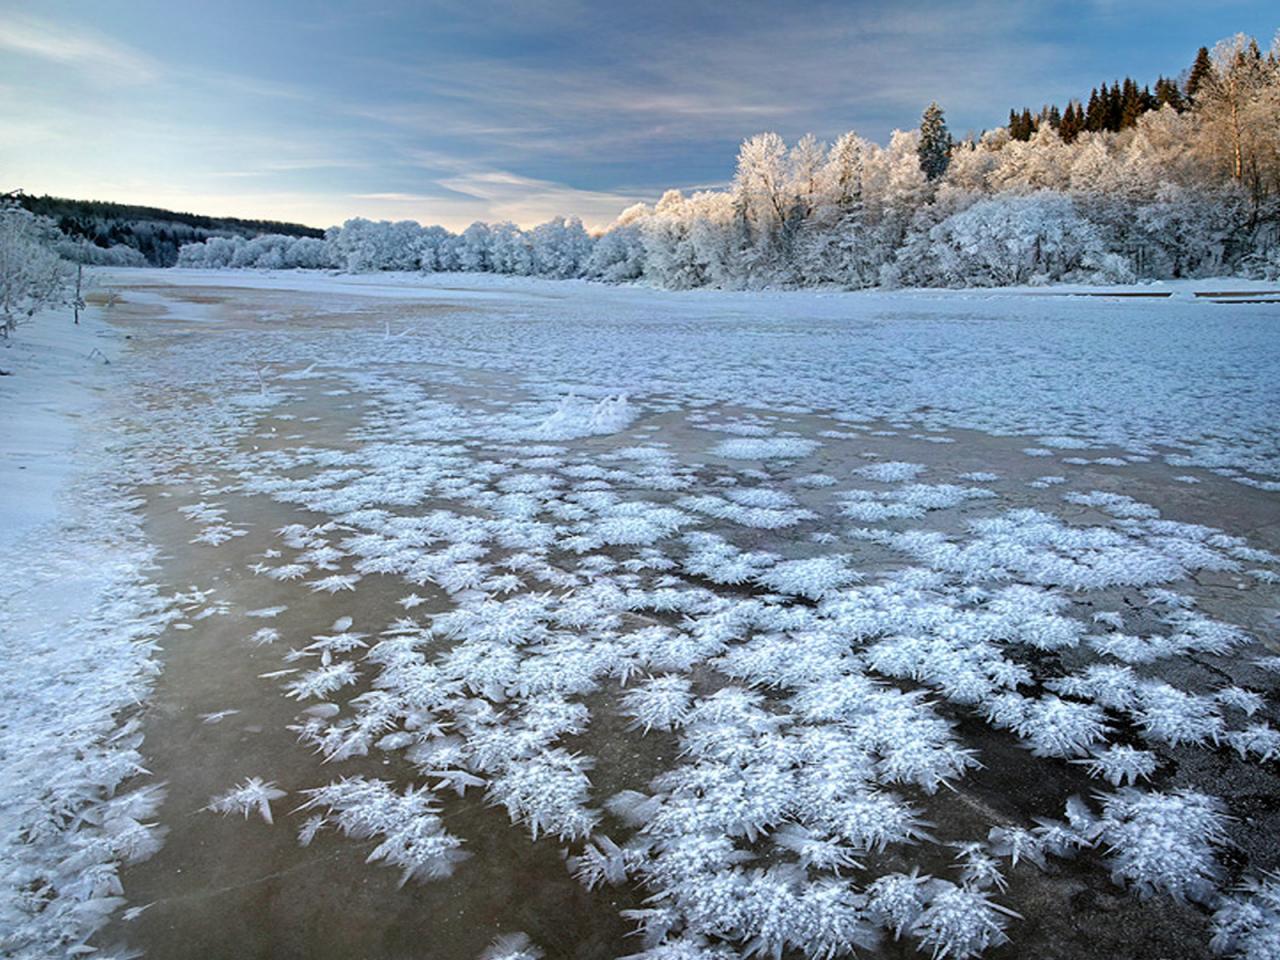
x: 1189, y: 189
x: 127, y: 235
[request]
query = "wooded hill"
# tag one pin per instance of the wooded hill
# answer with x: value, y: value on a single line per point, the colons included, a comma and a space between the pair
x: 155, y: 233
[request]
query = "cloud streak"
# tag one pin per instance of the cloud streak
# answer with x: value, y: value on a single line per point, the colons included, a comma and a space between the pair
x: 83, y: 50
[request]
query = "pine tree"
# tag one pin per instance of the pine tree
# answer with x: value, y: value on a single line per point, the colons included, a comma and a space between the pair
x: 1201, y: 71
x: 935, y: 143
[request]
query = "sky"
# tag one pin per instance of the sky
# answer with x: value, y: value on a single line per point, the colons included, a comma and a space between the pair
x: 450, y: 111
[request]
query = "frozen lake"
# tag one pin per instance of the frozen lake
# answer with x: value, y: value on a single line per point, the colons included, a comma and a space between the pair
x: 775, y: 624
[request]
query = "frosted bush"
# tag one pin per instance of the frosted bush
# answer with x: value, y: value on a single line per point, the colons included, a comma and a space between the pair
x: 1013, y: 239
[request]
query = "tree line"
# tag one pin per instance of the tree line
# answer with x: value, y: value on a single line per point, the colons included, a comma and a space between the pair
x: 1118, y: 106
x: 155, y: 233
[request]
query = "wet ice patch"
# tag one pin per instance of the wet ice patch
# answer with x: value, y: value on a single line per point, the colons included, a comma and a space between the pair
x: 907, y: 502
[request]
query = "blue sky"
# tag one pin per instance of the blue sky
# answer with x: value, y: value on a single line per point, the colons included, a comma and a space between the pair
x: 447, y: 112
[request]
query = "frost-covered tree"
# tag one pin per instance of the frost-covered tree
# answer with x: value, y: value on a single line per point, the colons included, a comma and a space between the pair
x: 475, y: 248
x: 560, y: 248
x: 1013, y: 239
x: 1238, y: 102
x: 618, y: 254
x: 760, y: 191
x: 510, y: 251
x: 33, y: 277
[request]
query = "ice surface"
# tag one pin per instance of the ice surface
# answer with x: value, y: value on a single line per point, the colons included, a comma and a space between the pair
x: 799, y: 642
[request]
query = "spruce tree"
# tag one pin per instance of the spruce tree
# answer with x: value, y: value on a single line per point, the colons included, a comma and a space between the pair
x: 1131, y: 104
x: 1115, y: 108
x: 1168, y: 92
x: 935, y: 143
x: 1072, y: 123
x: 1094, y: 119
x: 1201, y: 70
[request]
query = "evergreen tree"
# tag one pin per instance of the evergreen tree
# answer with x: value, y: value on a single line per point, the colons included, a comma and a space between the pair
x: 1168, y: 92
x: 1026, y: 124
x: 1115, y: 108
x: 935, y: 143
x: 1072, y: 123
x: 1094, y: 118
x: 1131, y: 104
x: 1201, y: 71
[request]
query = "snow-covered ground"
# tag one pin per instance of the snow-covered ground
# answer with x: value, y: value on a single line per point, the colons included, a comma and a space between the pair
x: 78, y: 617
x: 768, y: 623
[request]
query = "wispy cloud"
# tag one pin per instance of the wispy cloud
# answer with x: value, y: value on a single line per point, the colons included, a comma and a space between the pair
x: 105, y: 58
x: 526, y: 200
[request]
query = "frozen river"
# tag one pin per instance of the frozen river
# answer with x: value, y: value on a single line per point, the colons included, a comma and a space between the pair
x: 605, y: 621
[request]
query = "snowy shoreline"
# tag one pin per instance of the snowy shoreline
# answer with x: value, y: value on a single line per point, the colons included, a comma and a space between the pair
x: 78, y: 620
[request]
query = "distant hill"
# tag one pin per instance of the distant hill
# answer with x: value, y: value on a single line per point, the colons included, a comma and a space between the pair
x: 156, y: 234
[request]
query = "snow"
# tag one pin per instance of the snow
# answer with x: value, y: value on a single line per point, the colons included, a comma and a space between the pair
x: 78, y: 618
x: 886, y: 355
x: 603, y: 504
x: 52, y: 372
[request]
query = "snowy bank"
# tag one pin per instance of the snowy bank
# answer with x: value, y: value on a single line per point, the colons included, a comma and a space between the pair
x: 77, y: 623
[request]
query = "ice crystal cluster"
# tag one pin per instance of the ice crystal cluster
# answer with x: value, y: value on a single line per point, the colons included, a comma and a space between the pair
x: 1247, y: 924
